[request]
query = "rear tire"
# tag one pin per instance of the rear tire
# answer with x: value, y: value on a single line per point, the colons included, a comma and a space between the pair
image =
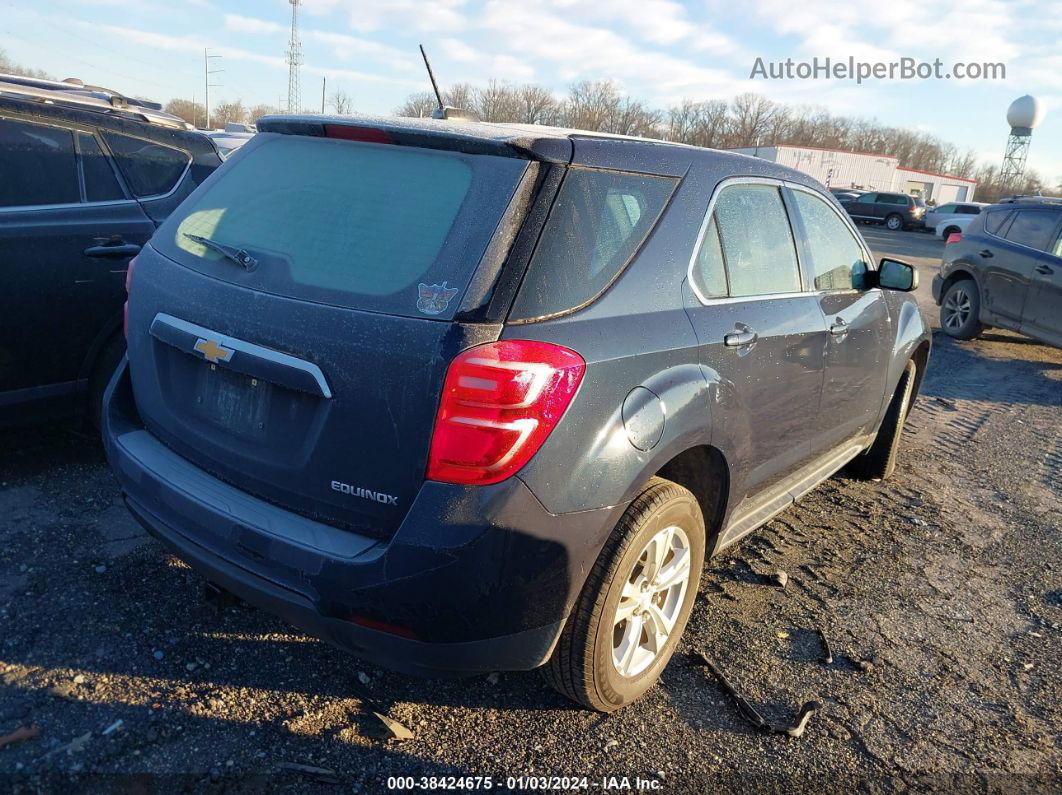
x: 596, y: 642
x: 879, y: 461
x: 951, y: 230
x: 960, y: 310
x: 894, y: 222
x: 106, y: 363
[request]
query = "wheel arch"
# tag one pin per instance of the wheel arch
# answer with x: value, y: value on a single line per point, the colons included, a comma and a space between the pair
x: 957, y: 273
x: 703, y: 469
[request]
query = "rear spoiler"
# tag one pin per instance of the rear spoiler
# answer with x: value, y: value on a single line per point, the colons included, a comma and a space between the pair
x: 446, y: 137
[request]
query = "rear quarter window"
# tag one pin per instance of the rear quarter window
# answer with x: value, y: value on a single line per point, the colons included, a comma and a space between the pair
x: 597, y: 223
x: 150, y: 169
x: 996, y: 220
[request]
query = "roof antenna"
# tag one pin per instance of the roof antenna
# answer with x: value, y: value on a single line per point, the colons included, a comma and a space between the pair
x: 431, y: 76
x: 444, y: 111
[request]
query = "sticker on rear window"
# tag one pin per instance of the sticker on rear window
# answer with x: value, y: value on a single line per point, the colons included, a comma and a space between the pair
x: 434, y: 298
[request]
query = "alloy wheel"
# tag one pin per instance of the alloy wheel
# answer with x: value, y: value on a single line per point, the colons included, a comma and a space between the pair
x: 956, y: 308
x: 651, y: 601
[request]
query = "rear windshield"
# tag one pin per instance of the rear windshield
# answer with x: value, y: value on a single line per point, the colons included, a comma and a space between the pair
x: 384, y: 228
x: 597, y: 223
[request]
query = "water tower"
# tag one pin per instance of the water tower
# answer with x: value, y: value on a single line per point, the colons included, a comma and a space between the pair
x: 1023, y: 115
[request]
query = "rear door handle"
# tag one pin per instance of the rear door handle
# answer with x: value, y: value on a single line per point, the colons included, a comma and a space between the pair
x: 839, y: 328
x: 116, y: 251
x: 1046, y: 270
x: 737, y: 339
x: 986, y: 253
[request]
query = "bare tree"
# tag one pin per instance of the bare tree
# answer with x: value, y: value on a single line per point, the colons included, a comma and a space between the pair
x: 460, y: 95
x: 418, y: 105
x: 592, y: 105
x: 7, y: 66
x: 342, y: 102
x: 191, y: 112
x: 258, y: 111
x: 747, y: 120
x: 497, y: 102
x: 752, y: 116
x: 228, y: 112
x: 537, y: 105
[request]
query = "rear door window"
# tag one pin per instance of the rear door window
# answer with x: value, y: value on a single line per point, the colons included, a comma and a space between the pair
x: 149, y: 168
x: 100, y: 182
x: 1033, y: 228
x: 37, y: 165
x: 597, y: 223
x: 385, y: 228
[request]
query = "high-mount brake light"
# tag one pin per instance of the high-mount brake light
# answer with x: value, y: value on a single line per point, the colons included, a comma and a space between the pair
x: 347, y: 132
x: 128, y: 289
x: 500, y: 401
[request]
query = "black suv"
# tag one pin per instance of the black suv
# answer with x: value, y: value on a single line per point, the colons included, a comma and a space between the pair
x: 1005, y: 270
x: 895, y: 210
x: 473, y: 397
x: 86, y: 175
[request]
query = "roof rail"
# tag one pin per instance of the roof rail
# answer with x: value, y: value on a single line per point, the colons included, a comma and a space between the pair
x: 1031, y: 199
x: 75, y: 93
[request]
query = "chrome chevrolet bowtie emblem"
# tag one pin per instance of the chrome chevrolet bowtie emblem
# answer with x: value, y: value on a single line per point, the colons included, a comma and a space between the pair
x: 213, y: 351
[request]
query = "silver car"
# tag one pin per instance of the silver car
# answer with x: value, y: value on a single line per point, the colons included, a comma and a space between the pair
x: 952, y: 211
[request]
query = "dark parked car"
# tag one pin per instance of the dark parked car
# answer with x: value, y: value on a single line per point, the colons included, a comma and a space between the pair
x: 895, y: 210
x: 86, y: 176
x: 1005, y: 270
x: 472, y: 397
x: 845, y: 194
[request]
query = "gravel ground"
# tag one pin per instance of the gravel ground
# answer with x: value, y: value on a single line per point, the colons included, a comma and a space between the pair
x: 939, y: 592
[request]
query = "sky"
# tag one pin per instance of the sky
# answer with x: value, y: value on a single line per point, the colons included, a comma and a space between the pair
x: 658, y: 51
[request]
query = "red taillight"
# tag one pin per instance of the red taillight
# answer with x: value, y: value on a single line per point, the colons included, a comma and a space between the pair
x: 128, y: 290
x: 499, y: 403
x: 348, y: 132
x: 954, y: 237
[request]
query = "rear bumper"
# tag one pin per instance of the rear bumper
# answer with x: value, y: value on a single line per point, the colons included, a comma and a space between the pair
x: 475, y: 579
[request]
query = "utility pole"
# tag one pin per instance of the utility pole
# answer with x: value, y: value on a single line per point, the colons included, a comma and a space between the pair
x: 323, y: 79
x: 207, y: 72
x: 294, y: 60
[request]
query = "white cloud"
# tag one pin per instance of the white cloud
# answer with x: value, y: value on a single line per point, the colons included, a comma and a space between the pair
x: 578, y: 52
x: 346, y: 47
x: 195, y: 44
x: 242, y: 24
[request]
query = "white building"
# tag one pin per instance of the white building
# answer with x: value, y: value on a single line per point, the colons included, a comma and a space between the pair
x: 838, y: 169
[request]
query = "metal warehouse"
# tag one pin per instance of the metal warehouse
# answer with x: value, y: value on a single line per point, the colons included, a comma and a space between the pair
x: 862, y: 171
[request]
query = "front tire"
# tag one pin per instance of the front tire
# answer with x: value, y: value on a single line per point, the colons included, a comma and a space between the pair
x: 960, y: 310
x: 635, y: 603
x: 879, y: 461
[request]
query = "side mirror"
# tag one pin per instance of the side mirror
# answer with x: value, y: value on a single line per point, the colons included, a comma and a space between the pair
x: 895, y: 275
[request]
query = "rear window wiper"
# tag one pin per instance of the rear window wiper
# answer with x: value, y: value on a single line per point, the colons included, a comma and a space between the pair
x: 238, y: 255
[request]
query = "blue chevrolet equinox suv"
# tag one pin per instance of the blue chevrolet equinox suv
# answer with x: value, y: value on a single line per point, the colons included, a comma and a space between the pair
x: 464, y: 397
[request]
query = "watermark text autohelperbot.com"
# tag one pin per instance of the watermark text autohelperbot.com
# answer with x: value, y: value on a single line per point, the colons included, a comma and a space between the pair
x: 905, y: 68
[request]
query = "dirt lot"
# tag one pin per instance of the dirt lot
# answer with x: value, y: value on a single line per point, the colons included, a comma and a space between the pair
x: 940, y: 593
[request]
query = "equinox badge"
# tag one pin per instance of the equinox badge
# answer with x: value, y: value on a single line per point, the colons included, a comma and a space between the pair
x: 365, y: 494
x: 213, y: 351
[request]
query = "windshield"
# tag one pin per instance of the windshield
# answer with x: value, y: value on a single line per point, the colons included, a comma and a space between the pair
x: 368, y: 226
